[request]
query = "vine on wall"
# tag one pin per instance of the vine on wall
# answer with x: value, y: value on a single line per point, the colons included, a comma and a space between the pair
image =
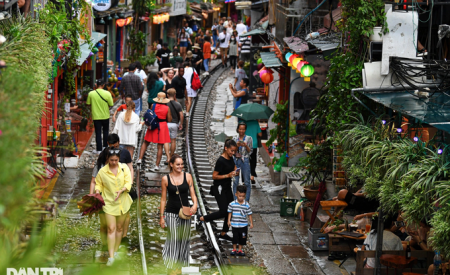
x: 359, y: 18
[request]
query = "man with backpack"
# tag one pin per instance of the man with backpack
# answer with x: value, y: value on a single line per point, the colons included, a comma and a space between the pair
x: 224, y: 40
x: 192, y: 84
x: 177, y: 121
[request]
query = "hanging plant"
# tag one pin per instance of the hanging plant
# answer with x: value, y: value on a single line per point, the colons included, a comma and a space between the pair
x: 64, y: 31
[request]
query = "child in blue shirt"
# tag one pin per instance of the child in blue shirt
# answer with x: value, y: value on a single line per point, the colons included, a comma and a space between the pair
x: 238, y: 214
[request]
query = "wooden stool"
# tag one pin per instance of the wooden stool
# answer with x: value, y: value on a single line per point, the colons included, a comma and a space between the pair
x: 396, y: 261
x: 327, y: 205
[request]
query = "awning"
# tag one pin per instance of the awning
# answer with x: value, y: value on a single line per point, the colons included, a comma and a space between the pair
x: 434, y: 110
x: 84, y: 49
x: 253, y: 32
x: 270, y: 60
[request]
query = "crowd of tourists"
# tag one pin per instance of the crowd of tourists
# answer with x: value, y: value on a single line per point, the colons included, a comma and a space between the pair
x: 171, y: 91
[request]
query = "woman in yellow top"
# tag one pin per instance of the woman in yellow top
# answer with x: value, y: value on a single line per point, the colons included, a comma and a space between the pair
x: 114, y: 182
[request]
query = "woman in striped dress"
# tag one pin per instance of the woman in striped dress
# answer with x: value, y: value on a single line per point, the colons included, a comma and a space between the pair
x: 178, y: 185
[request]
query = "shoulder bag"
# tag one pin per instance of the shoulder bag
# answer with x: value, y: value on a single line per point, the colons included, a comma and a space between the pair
x: 101, y: 97
x: 183, y: 209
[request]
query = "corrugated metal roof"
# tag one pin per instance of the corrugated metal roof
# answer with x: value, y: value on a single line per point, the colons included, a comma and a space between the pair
x: 270, y: 60
x: 296, y: 44
x: 253, y: 32
x: 84, y: 49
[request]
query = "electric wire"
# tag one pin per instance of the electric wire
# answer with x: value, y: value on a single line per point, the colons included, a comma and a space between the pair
x: 413, y: 72
x: 301, y: 23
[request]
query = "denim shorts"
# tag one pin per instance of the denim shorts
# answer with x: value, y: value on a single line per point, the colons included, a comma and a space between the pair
x: 183, y: 44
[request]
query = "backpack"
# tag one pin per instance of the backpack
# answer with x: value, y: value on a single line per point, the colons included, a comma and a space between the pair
x: 151, y: 119
x: 195, y: 81
x: 195, y: 28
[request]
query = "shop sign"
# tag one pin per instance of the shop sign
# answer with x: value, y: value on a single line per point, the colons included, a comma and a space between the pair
x: 178, y: 7
x: 102, y: 5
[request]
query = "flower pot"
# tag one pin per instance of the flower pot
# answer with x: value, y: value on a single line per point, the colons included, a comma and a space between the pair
x: 310, y: 194
x: 375, y: 37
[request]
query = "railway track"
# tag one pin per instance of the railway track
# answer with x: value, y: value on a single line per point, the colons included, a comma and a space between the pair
x: 206, y: 251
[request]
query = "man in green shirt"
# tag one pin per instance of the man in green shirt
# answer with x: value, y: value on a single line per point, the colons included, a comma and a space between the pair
x: 100, y: 101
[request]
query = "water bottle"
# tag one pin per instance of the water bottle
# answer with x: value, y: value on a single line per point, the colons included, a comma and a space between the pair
x: 312, y: 36
x: 220, y: 189
x: 437, y: 260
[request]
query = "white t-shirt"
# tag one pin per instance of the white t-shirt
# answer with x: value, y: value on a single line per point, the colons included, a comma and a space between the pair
x: 227, y: 40
x: 390, y: 242
x: 240, y: 28
x: 188, y: 72
x: 184, y: 38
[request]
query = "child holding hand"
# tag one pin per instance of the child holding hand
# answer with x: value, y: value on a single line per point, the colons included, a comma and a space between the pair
x: 238, y: 214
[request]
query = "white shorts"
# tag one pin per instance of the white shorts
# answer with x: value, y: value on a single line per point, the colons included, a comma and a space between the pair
x: 173, y: 130
x: 191, y: 92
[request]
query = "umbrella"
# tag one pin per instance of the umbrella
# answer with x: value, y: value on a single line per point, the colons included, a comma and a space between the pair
x: 252, y: 111
x: 322, y: 189
x: 221, y: 137
x: 90, y: 204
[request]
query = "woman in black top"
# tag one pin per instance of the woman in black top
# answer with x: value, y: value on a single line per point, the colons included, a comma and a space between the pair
x: 170, y: 72
x: 179, y: 185
x: 224, y: 171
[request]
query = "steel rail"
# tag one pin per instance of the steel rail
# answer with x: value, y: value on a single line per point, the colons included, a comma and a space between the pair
x: 139, y: 209
x: 218, y: 259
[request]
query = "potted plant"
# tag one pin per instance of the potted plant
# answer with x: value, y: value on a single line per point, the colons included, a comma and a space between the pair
x: 318, y: 166
x: 148, y: 62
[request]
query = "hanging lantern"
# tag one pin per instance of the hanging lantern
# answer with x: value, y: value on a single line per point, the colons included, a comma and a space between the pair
x: 262, y: 72
x: 259, y: 61
x: 287, y: 56
x: 155, y: 19
x: 259, y: 67
x: 94, y: 49
x: 167, y: 17
x: 295, y: 62
x: 291, y: 58
x: 307, y: 70
x: 267, y: 78
x: 300, y: 65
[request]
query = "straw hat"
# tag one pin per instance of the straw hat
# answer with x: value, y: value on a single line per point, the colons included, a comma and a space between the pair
x: 196, y: 46
x: 161, y: 98
x: 189, y: 54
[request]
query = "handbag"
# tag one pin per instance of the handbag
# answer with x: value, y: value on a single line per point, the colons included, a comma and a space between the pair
x: 184, y: 209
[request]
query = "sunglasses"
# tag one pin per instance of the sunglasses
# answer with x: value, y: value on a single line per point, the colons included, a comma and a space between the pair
x: 114, y: 151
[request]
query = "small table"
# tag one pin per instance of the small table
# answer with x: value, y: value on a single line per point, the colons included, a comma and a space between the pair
x: 335, y: 246
x: 327, y: 205
x: 396, y: 261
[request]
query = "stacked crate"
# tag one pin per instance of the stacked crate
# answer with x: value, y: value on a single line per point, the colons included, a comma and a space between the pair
x: 339, y: 178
